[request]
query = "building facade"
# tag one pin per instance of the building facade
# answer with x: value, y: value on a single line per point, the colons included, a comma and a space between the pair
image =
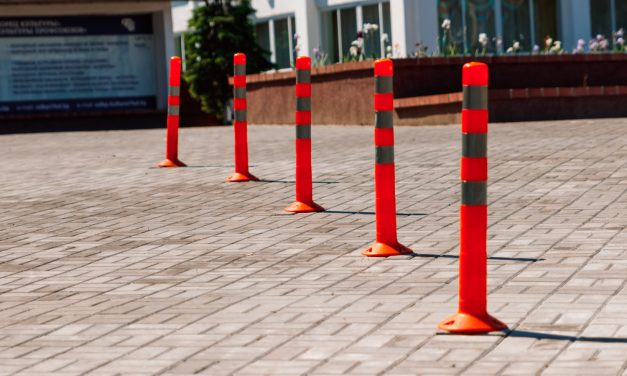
x: 84, y: 56
x: 288, y: 28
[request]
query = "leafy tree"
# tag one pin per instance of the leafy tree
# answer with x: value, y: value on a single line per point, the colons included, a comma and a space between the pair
x: 217, y: 31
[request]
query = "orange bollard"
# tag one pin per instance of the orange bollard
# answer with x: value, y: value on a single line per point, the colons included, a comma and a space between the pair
x: 172, y: 134
x: 386, y: 243
x: 240, y: 125
x: 472, y: 315
x: 304, y: 186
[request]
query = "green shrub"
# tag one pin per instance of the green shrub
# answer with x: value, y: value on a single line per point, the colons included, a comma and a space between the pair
x: 217, y: 31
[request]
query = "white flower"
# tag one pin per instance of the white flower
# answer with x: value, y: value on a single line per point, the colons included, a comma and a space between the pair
x: 536, y: 48
x: 620, y: 33
x: 296, y: 36
x: 385, y: 37
x: 510, y: 50
x: 557, y: 44
x: 388, y: 49
x: 483, y: 39
x: 581, y: 43
x: 604, y: 44
x: 446, y: 24
x: 593, y: 45
x: 353, y: 51
x: 389, y: 55
x: 374, y: 27
x: 548, y: 41
x: 516, y: 45
x: 197, y: 45
x: 355, y: 43
x: 600, y: 37
x: 620, y: 41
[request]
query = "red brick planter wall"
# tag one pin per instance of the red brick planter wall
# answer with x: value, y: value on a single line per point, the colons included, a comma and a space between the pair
x: 342, y: 94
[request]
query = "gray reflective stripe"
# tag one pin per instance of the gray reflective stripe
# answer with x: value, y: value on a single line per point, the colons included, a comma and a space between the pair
x: 303, y: 131
x: 173, y: 110
x: 239, y: 92
x: 303, y: 76
x: 475, y: 97
x: 383, y: 119
x: 383, y: 84
x: 474, y: 193
x: 240, y: 69
x: 303, y: 104
x: 174, y: 91
x: 384, y: 154
x: 475, y: 145
x: 240, y: 115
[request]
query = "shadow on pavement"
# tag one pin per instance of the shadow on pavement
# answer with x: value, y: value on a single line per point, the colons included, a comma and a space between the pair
x: 561, y: 337
x: 293, y: 182
x: 369, y: 213
x: 522, y: 259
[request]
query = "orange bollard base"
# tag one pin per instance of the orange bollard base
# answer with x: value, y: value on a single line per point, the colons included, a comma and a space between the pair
x: 385, y: 250
x: 241, y: 177
x: 468, y: 323
x: 172, y: 163
x: 301, y: 207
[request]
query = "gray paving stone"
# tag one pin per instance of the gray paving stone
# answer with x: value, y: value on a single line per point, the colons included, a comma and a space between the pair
x: 110, y: 266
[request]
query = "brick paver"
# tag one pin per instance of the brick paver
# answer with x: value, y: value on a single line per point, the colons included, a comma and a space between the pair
x: 111, y: 267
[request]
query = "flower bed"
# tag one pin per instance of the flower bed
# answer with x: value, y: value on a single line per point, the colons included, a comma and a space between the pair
x: 342, y: 93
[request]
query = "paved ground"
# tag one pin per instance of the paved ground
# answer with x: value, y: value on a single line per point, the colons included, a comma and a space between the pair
x: 111, y: 267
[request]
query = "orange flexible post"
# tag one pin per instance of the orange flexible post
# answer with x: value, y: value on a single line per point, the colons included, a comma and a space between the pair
x: 172, y: 133
x: 304, y: 186
x: 386, y: 243
x: 240, y: 124
x: 472, y: 315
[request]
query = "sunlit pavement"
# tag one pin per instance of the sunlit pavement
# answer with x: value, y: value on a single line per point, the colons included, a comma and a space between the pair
x: 109, y: 266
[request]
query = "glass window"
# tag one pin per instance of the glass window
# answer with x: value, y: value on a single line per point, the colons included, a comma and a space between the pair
x: 516, y: 25
x: 262, y: 34
x: 621, y: 14
x: 178, y: 3
x: 387, y: 22
x: 601, y: 17
x: 281, y: 43
x: 480, y: 19
x: 330, y: 36
x: 451, y: 41
x: 348, y: 21
x: 545, y: 13
x: 372, y: 39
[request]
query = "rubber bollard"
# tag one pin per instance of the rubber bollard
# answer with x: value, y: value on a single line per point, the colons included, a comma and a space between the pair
x: 174, y: 102
x: 304, y: 186
x: 472, y: 315
x: 386, y: 243
x: 240, y: 124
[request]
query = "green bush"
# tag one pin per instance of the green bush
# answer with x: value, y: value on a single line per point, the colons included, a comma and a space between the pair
x: 217, y: 31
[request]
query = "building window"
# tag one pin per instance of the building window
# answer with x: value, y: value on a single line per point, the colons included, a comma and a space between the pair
x: 179, y: 48
x: 340, y: 28
x: 480, y: 19
x: 277, y: 37
x: 607, y: 16
x: 516, y: 18
x: 179, y: 3
x: 527, y: 22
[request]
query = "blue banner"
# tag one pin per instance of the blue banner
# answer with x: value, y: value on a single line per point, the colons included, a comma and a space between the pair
x: 86, y: 63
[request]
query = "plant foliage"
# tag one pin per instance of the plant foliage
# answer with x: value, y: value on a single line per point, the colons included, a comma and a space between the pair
x: 217, y: 31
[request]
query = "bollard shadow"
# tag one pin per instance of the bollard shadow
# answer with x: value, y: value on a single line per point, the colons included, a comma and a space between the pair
x: 561, y: 337
x: 293, y: 182
x: 521, y: 259
x: 539, y: 336
x: 370, y: 213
